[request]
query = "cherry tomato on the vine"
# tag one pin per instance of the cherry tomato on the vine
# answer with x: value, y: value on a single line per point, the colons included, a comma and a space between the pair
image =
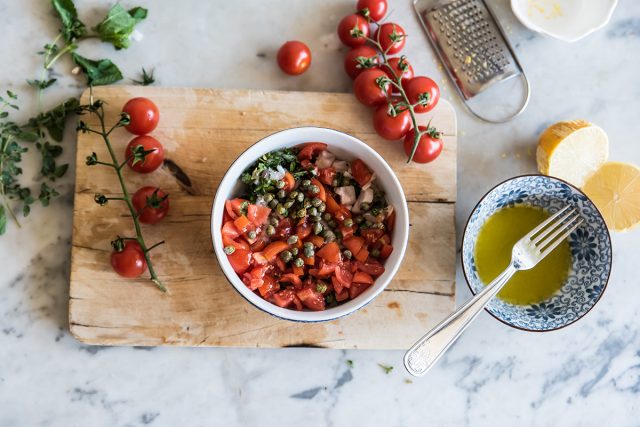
x: 294, y: 57
x: 429, y: 146
x: 423, y: 90
x: 401, y: 67
x: 391, y: 37
x: 369, y: 59
x: 144, y: 163
x: 353, y: 30
x: 368, y: 90
x: 391, y: 126
x: 144, y: 115
x: 127, y: 258
x: 151, y: 204
x: 375, y: 9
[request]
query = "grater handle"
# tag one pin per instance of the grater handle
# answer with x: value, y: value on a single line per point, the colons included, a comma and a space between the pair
x: 525, y: 81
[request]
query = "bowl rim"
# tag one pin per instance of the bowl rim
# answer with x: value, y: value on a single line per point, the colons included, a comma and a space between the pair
x: 464, y: 235
x: 393, y: 271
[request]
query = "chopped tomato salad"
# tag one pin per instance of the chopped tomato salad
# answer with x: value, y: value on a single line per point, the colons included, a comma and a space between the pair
x: 312, y: 231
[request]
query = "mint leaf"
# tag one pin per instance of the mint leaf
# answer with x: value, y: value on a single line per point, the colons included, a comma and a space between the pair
x: 100, y: 72
x: 119, y: 24
x: 72, y: 27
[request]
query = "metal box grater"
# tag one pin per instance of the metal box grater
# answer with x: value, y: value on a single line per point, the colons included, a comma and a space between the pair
x: 472, y: 47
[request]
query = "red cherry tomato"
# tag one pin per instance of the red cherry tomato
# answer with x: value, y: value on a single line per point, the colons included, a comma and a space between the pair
x: 369, y: 60
x: 361, y: 172
x: 129, y: 260
x: 424, y: 90
x: 398, y: 64
x: 375, y: 9
x: 391, y: 37
x: 151, y: 204
x: 151, y: 161
x: 429, y: 146
x: 353, y: 30
x: 367, y: 89
x: 391, y: 127
x: 144, y: 115
x: 294, y: 57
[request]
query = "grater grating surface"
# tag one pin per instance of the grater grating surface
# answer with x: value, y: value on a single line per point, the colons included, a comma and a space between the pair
x: 471, y: 45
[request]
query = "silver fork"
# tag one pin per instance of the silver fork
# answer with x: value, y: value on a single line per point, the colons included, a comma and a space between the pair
x: 526, y: 253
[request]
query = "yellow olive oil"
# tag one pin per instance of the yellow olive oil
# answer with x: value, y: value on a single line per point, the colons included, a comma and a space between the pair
x: 493, y: 252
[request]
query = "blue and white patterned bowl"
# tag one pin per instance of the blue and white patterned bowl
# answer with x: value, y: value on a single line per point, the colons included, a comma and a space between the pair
x: 590, y: 249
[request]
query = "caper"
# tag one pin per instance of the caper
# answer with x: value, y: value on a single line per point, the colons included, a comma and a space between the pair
x: 300, y: 197
x: 305, y: 183
x: 282, y: 194
x: 288, y: 204
x: 252, y: 234
x: 281, y: 209
x: 292, y: 240
x: 316, y: 218
x: 286, y: 256
x: 273, y: 204
x: 348, y: 222
x: 364, y: 206
x: 322, y: 207
x: 299, y: 262
x: 321, y: 287
x: 329, y: 236
x: 307, y: 204
x: 332, y: 224
x: 243, y: 207
x: 313, y: 211
x: 294, y: 251
x: 375, y: 211
x: 293, y: 194
x: 270, y: 230
x: 316, y: 202
x: 375, y: 253
x: 359, y: 219
x: 281, y: 184
x: 338, y: 235
x: 301, y: 213
x: 308, y: 251
x: 317, y: 228
x: 229, y: 250
x: 268, y: 197
x: 314, y: 189
x: 347, y: 254
x: 274, y: 221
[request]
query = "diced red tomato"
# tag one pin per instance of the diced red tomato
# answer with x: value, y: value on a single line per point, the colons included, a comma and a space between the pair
x: 269, y: 287
x: 229, y: 230
x: 347, y: 231
x: 280, y: 264
x: 332, y: 205
x: 242, y: 223
x: 238, y: 244
x: 362, y: 277
x: 259, y: 259
x: 354, y: 244
x: 326, y: 268
x: 343, y: 295
x: 274, y: 248
x: 289, y: 180
x: 308, y: 261
x: 371, y: 235
x: 303, y: 231
x: 371, y: 267
x: 342, y: 213
x: 330, y: 252
x: 298, y: 271
x: 233, y: 207
x: 322, y: 195
x: 258, y: 215
x: 311, y: 299
x: 356, y: 289
x: 337, y: 285
x: 384, y: 240
x: 283, y: 298
x: 291, y: 278
x: 316, y: 240
x: 386, y: 251
x: 283, y: 230
x: 260, y: 243
x: 225, y: 215
x: 255, y: 277
x: 362, y: 255
x: 310, y: 149
x: 326, y: 175
x: 240, y: 260
x: 360, y: 172
x: 344, y: 275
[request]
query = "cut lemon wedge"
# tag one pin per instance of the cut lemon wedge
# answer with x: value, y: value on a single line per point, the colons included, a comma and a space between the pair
x: 572, y: 151
x: 615, y: 189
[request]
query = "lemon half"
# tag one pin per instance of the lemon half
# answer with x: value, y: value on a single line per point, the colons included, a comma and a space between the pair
x: 615, y: 189
x: 572, y: 151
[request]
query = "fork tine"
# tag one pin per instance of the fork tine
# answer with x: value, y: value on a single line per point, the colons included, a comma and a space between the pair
x: 565, y: 224
x: 552, y: 244
x: 552, y: 224
x: 547, y: 222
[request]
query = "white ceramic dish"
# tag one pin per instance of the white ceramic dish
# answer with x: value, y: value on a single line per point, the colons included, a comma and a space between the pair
x: 346, y: 147
x: 568, y: 20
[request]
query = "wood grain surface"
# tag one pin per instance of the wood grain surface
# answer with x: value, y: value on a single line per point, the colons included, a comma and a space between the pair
x: 203, y: 131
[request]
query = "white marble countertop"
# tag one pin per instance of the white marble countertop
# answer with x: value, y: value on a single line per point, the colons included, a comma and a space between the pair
x: 587, y: 374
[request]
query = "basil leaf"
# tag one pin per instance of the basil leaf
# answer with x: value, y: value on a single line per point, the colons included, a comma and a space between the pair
x: 72, y: 27
x: 3, y: 220
x: 101, y: 72
x: 119, y: 24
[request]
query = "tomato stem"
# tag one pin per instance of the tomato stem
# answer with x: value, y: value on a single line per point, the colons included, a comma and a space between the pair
x: 98, y: 109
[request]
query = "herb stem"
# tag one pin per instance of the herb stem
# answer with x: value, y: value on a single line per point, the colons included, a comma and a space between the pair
x: 2, y: 189
x: 155, y: 246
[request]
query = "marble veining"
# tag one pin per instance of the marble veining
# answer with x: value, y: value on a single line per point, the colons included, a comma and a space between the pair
x: 585, y: 375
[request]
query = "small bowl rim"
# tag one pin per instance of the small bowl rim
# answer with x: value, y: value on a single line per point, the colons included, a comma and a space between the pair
x: 464, y: 235
x: 394, y: 270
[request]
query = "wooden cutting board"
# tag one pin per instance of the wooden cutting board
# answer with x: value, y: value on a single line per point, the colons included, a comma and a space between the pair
x: 203, y: 131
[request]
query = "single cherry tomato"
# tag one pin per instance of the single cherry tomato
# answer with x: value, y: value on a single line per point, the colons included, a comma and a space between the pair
x: 391, y: 37
x: 359, y: 59
x: 353, y: 30
x: 367, y: 87
x: 151, y: 204
x: 429, y: 146
x: 401, y: 68
x: 390, y: 124
x: 144, y: 163
x: 127, y: 258
x: 294, y: 57
x: 422, y: 90
x: 372, y: 9
x: 144, y: 115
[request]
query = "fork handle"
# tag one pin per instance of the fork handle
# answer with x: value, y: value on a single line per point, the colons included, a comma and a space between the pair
x: 426, y: 352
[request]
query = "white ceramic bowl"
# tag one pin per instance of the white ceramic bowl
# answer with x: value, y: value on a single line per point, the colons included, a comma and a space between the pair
x: 345, y: 147
x: 568, y: 20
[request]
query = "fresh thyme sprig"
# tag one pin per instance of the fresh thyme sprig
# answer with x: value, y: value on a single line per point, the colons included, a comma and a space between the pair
x: 97, y: 108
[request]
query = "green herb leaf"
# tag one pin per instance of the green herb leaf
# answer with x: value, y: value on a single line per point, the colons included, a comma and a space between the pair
x: 46, y: 194
x: 3, y: 220
x: 53, y: 120
x: 72, y: 27
x: 41, y: 84
x: 147, y: 78
x: 350, y: 363
x: 101, y: 72
x: 386, y: 368
x: 117, y: 27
